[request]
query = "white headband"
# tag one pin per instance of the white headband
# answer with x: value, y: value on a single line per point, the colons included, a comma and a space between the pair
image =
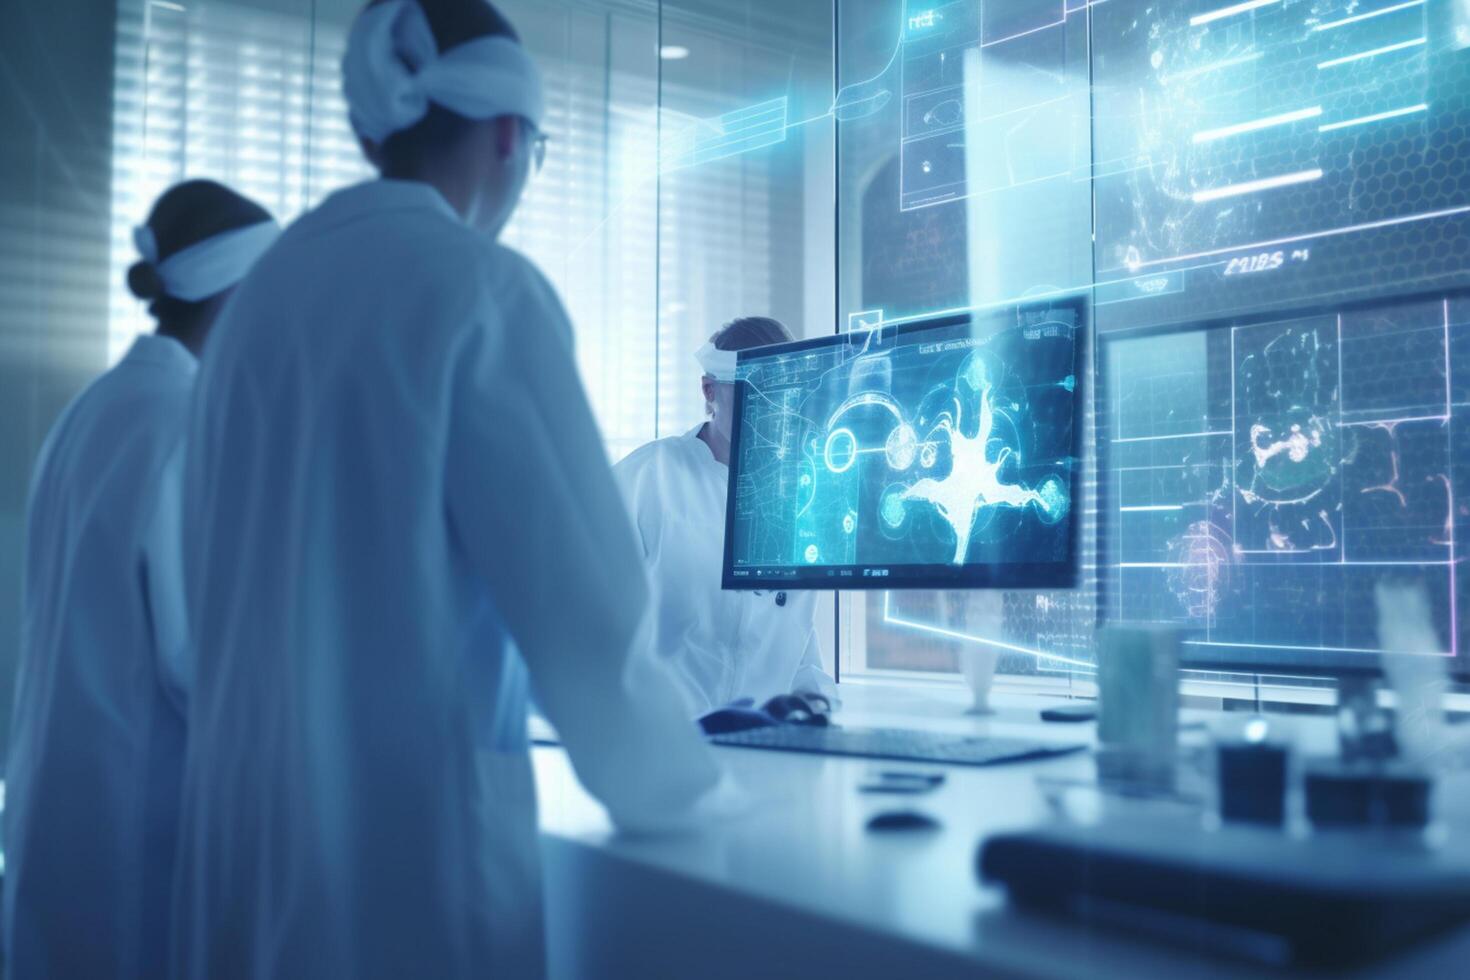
x: 207, y: 268
x: 718, y: 364
x: 393, y: 70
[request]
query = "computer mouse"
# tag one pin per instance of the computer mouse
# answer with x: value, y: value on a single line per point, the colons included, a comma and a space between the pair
x: 902, y: 820
x: 722, y: 721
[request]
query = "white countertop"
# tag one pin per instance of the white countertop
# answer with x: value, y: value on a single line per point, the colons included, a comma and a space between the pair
x: 805, y: 852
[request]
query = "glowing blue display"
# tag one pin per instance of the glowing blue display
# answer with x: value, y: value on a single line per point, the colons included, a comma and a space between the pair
x: 731, y: 134
x: 1324, y: 135
x: 937, y: 452
x: 1269, y: 475
x: 923, y: 21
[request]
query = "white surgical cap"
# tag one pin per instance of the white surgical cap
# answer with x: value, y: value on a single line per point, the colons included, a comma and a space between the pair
x: 211, y: 266
x: 718, y: 364
x: 393, y: 70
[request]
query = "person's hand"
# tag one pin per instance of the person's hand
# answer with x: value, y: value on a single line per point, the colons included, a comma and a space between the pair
x: 799, y: 709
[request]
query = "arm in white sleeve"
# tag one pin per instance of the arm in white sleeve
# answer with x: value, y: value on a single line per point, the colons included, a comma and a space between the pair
x: 639, y: 486
x: 163, y: 582
x: 532, y: 499
x: 630, y: 483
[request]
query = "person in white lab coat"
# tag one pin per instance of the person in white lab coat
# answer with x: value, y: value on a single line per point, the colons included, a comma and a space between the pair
x: 97, y: 733
x: 722, y: 645
x: 397, y: 500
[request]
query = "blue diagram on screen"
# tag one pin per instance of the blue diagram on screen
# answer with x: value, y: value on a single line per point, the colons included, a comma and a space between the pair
x: 916, y: 452
x: 1267, y: 476
x: 1250, y: 155
x: 1262, y: 177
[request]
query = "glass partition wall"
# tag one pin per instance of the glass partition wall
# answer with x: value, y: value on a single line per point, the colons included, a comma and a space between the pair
x: 249, y: 92
x: 665, y: 207
x: 1265, y: 204
x: 964, y: 158
x: 875, y: 161
x: 689, y: 177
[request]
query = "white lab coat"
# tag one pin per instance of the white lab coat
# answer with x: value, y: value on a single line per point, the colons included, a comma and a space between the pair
x: 721, y: 645
x: 97, y: 734
x: 392, y: 470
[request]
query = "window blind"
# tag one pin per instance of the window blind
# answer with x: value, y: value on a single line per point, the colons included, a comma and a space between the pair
x: 252, y: 97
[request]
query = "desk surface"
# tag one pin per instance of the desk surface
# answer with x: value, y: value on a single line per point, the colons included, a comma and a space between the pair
x: 806, y: 852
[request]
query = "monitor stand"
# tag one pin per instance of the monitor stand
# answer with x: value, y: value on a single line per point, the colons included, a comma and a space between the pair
x: 1365, y: 729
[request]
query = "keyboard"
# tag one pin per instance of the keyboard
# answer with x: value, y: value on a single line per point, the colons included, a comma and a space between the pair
x: 895, y: 743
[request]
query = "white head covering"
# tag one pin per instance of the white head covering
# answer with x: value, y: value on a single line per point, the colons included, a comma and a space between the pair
x: 393, y: 70
x: 211, y: 266
x: 718, y: 364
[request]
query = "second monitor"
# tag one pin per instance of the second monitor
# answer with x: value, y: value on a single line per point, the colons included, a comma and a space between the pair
x: 934, y: 454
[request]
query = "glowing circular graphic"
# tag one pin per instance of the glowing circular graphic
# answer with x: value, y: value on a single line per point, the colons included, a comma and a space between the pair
x: 975, y: 372
x: 841, y: 450
x: 812, y: 554
x: 849, y: 524
x: 1202, y: 558
x: 902, y: 446
x: 928, y: 456
x: 1052, y: 502
x: 892, y: 508
x: 807, y: 483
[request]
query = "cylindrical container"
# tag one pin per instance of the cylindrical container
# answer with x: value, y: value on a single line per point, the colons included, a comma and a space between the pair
x: 1138, y: 702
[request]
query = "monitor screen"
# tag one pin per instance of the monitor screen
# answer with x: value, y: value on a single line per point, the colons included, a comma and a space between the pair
x: 934, y: 454
x: 1264, y: 155
x: 1268, y: 474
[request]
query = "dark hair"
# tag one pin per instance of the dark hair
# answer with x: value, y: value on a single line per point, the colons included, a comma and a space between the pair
x: 453, y: 22
x: 184, y: 215
x: 746, y: 332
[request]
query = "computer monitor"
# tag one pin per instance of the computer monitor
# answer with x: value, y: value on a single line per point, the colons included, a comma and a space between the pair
x: 1263, y: 475
x: 934, y: 454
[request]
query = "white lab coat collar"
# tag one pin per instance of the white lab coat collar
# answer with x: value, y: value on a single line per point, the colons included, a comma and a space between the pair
x: 151, y: 348
x: 375, y: 196
x: 701, y: 449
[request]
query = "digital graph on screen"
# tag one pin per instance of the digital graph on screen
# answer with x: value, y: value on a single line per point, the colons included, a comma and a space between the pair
x: 993, y: 75
x: 1263, y: 477
x: 1253, y: 155
x: 978, y: 123
x: 961, y: 116
x: 940, y: 452
x: 1241, y: 162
